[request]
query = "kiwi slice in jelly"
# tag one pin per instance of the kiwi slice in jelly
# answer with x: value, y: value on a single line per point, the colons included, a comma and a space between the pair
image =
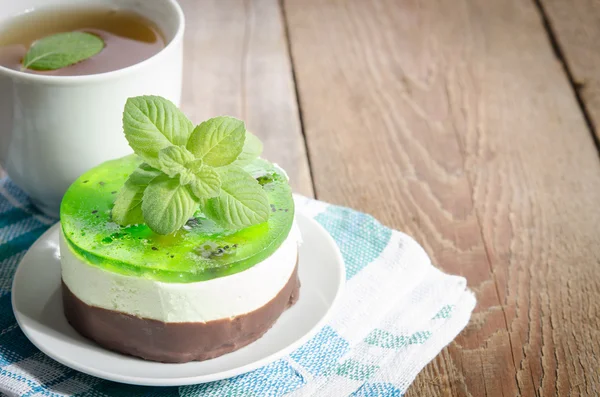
x: 201, y: 250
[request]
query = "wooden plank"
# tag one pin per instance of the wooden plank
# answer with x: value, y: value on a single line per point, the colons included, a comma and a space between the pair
x: 454, y: 122
x: 237, y: 63
x: 576, y: 26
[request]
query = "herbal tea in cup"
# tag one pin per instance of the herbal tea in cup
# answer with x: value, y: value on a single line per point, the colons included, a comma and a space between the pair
x: 78, y: 41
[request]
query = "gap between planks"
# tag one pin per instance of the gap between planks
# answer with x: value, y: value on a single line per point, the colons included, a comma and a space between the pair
x: 563, y: 61
x: 298, y: 102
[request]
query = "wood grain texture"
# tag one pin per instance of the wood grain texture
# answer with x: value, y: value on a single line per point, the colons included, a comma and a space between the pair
x: 576, y: 26
x: 237, y: 63
x: 454, y: 121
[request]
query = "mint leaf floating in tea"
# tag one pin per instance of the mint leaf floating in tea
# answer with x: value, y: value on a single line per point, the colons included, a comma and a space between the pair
x: 61, y: 50
x: 188, y: 169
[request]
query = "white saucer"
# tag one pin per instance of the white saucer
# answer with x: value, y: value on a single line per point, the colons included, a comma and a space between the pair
x: 36, y: 301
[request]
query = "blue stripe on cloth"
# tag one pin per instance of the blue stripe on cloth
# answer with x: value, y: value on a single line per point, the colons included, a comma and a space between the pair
x: 11, y: 216
x: 17, y: 378
x: 7, y: 318
x: 321, y: 352
x: 10, y: 193
x: 39, y: 370
x: 20, y: 243
x: 274, y: 380
x: 7, y: 270
x: 44, y: 388
x: 5, y: 205
x: 15, y: 192
x: 361, y: 237
x: 76, y: 384
x: 16, y: 229
x: 14, y: 346
x: 377, y: 390
x: 113, y: 389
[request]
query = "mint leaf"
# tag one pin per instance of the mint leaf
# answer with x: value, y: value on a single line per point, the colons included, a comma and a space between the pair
x: 172, y: 161
x: 152, y: 123
x: 242, y: 201
x: 128, y: 204
x: 206, y: 182
x: 218, y: 141
x: 61, y: 50
x: 143, y: 174
x: 253, y: 147
x: 167, y: 205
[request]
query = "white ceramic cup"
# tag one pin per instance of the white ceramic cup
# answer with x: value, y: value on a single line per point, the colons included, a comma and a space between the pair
x: 53, y: 128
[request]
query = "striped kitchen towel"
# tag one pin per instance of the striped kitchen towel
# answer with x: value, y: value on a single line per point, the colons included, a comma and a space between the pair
x: 397, y: 313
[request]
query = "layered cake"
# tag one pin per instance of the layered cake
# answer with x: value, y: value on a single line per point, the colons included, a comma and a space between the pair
x: 178, y: 253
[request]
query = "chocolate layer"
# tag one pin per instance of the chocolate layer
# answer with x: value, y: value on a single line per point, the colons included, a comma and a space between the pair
x: 175, y: 342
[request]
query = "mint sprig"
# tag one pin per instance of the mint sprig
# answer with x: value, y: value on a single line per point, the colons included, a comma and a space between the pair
x: 187, y: 169
x: 61, y: 50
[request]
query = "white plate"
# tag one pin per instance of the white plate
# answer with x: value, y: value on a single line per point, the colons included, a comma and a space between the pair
x: 36, y: 300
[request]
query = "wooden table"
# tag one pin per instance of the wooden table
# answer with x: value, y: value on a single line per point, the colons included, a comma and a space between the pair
x: 468, y: 124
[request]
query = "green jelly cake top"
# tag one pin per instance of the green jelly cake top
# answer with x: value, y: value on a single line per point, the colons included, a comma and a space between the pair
x: 193, y: 204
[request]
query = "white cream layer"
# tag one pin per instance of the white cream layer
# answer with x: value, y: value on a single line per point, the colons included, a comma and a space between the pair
x: 202, y: 301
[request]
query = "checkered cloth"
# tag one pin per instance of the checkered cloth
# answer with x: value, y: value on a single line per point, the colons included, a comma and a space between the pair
x: 396, y: 314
